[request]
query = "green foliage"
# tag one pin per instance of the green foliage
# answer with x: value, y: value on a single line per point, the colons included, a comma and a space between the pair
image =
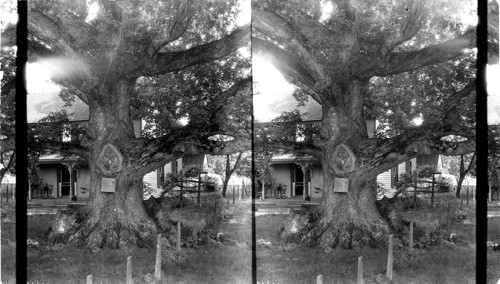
x: 193, y: 96
x: 212, y: 184
x: 396, y: 101
x: 422, y: 177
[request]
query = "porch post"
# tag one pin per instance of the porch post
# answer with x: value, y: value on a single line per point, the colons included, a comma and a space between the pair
x: 489, y: 194
x: 306, y: 188
x: 71, y: 179
x: 59, y: 180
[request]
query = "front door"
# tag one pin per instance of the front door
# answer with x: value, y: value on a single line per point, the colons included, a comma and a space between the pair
x: 64, y: 179
x: 298, y: 179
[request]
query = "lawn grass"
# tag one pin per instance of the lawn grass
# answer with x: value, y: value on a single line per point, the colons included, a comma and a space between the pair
x: 8, y: 243
x: 493, y: 257
x: 218, y: 263
x: 209, y: 263
x: 443, y: 263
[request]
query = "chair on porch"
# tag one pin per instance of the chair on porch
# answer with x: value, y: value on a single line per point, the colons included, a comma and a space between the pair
x: 36, y: 191
x: 283, y: 191
x: 47, y: 191
x: 280, y: 191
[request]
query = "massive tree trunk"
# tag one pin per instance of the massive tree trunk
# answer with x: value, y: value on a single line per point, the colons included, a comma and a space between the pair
x: 115, y: 219
x: 348, y: 219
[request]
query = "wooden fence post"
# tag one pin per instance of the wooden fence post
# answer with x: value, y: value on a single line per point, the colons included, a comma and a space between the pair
x: 360, y: 270
x: 182, y: 193
x: 215, y: 210
x: 89, y: 279
x: 410, y: 246
x: 234, y: 196
x: 427, y: 228
x: 158, y: 259
x: 390, y: 258
x: 244, y: 187
x: 319, y: 279
x: 7, y: 194
x: 448, y: 219
x: 199, y: 191
x: 432, y: 190
x: 178, y: 236
x: 467, y: 195
x: 129, y: 270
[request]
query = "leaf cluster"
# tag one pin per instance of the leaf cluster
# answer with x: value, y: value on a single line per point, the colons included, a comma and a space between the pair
x: 397, y: 101
x: 192, y: 96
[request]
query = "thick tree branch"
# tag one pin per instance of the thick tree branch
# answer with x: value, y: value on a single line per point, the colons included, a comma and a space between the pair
x: 287, y: 64
x: 455, y: 101
x: 241, y: 88
x: 63, y: 147
x: 411, y: 28
x: 287, y: 146
x: 400, y: 62
x: 9, y: 165
x: 74, y: 90
x: 291, y: 38
x: 48, y: 31
x: 179, y: 26
x: 381, y: 155
x: 165, y: 62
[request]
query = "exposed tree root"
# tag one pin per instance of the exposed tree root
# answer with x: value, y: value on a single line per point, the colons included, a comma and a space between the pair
x: 342, y: 230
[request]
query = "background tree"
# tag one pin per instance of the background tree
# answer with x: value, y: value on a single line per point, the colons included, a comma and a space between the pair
x: 107, y: 59
x: 367, y: 59
x: 460, y: 167
x: 7, y: 104
x: 227, y: 165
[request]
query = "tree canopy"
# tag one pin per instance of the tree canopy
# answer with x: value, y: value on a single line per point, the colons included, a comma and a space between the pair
x: 178, y: 66
x: 409, y: 65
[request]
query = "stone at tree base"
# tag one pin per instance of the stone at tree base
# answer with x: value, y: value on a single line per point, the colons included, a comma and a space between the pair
x: 62, y: 227
x: 293, y: 224
x: 163, y: 221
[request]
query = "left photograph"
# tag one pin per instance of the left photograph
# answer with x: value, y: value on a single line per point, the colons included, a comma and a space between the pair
x: 139, y: 142
x: 8, y: 20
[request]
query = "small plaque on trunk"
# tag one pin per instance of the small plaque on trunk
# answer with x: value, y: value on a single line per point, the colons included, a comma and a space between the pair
x: 341, y: 185
x: 108, y: 184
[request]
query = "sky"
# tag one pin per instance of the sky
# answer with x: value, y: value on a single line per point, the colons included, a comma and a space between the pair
x: 493, y: 89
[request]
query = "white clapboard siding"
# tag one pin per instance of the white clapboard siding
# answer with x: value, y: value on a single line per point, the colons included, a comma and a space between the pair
x: 151, y: 179
x: 384, y: 179
x: 370, y: 127
x: 137, y: 127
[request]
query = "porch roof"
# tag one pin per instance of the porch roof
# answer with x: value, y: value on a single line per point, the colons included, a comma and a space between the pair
x: 291, y: 158
x: 58, y: 158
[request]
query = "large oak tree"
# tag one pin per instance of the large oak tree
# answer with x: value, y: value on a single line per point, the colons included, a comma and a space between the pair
x: 366, y: 59
x: 146, y: 59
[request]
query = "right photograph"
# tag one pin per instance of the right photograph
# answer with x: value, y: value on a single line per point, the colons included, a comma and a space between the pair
x: 364, y: 141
